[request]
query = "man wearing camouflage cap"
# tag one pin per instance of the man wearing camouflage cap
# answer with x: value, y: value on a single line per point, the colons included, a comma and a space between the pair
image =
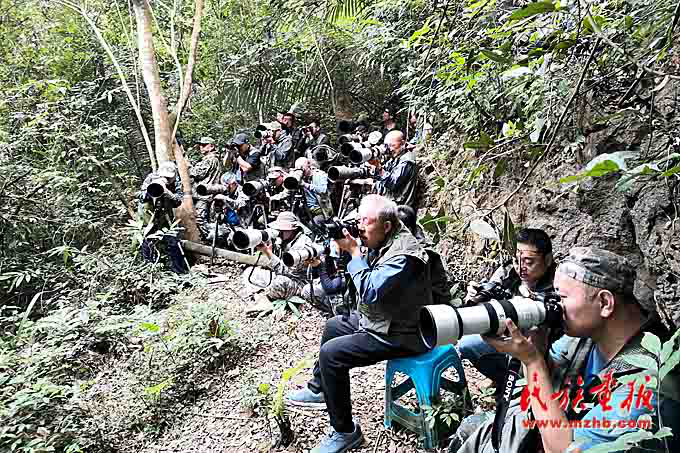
x: 207, y: 171
x: 605, y: 326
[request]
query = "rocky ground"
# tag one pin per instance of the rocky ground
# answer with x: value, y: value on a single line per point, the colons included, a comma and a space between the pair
x: 229, y: 415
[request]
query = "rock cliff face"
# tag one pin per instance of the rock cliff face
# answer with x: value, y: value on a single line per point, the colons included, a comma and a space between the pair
x: 642, y: 223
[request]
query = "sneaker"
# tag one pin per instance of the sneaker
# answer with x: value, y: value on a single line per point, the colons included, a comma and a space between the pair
x: 336, y: 442
x: 304, y: 397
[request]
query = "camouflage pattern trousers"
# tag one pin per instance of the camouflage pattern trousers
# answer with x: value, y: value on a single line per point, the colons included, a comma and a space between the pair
x: 285, y: 287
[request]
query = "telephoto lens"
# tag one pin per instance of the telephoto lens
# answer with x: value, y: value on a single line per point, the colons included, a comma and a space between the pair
x: 300, y: 254
x: 247, y: 239
x: 210, y: 189
x: 342, y: 173
x: 293, y: 180
x: 261, y: 131
x: 442, y: 324
x: 252, y: 188
x: 155, y: 188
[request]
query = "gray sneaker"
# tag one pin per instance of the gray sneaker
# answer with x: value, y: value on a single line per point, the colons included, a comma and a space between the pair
x: 336, y: 442
x: 304, y: 397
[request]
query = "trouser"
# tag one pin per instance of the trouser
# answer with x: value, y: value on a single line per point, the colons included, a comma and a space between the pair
x: 345, y: 346
x: 177, y: 263
x: 203, y: 217
x: 284, y: 287
x: 484, y: 357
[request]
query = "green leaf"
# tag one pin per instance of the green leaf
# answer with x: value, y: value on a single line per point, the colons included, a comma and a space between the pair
x: 263, y: 388
x: 669, y: 365
x: 643, y: 361
x: 669, y: 346
x: 532, y: 9
x: 672, y: 171
x: 652, y: 343
x: 498, y: 58
x: 663, y: 432
x: 500, y: 168
x: 151, y: 327
x: 602, y: 165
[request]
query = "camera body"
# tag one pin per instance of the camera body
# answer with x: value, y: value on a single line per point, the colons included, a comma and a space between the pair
x: 333, y: 228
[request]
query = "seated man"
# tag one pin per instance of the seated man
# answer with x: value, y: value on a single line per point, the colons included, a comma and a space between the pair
x: 606, y: 326
x: 289, y: 281
x: 398, y: 179
x: 391, y: 284
x: 161, y: 192
x: 533, y: 269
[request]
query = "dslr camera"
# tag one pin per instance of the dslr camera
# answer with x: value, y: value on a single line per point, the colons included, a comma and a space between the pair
x: 332, y: 229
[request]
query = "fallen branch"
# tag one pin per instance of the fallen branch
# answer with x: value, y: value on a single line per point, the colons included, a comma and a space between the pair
x: 551, y: 144
x: 250, y: 260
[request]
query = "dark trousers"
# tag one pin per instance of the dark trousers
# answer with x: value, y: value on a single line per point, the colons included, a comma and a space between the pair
x: 343, y: 347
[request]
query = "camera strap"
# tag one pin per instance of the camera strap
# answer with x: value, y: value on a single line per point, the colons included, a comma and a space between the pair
x: 512, y: 374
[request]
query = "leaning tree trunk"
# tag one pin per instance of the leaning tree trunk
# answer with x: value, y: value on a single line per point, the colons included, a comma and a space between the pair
x: 152, y: 80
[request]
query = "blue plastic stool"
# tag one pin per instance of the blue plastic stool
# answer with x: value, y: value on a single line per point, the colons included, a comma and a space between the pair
x: 425, y: 374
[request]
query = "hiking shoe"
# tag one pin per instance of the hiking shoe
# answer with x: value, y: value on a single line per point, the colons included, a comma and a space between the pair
x: 304, y: 397
x: 336, y: 442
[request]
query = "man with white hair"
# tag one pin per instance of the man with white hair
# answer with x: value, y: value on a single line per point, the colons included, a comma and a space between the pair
x: 390, y: 281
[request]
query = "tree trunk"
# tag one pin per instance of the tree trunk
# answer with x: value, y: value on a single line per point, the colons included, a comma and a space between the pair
x: 186, y: 212
x: 149, y: 65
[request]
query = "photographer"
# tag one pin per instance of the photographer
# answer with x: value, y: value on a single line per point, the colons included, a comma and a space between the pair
x: 606, y: 326
x: 156, y: 209
x: 312, y: 137
x: 235, y: 202
x: 315, y: 186
x: 532, y: 269
x: 278, y: 146
x: 390, y: 282
x: 398, y: 179
x: 330, y: 286
x: 207, y: 171
x: 247, y: 159
x: 289, y: 281
x: 389, y: 122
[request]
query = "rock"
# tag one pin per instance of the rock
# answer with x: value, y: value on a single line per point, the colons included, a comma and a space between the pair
x: 262, y: 304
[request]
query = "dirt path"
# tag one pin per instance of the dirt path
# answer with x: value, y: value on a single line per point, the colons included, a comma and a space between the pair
x: 229, y: 416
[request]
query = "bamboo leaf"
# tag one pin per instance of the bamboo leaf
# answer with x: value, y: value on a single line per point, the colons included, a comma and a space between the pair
x: 533, y: 9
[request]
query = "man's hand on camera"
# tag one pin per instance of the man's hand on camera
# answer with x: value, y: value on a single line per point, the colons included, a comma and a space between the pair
x: 349, y: 244
x: 266, y: 248
x: 472, y: 291
x: 314, y: 262
x: 526, y: 349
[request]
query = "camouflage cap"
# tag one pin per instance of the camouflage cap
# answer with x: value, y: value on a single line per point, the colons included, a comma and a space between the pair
x: 206, y: 141
x: 599, y: 268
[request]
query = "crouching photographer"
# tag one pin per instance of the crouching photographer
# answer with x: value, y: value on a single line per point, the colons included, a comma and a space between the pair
x: 290, y: 270
x: 391, y: 281
x: 574, y: 399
